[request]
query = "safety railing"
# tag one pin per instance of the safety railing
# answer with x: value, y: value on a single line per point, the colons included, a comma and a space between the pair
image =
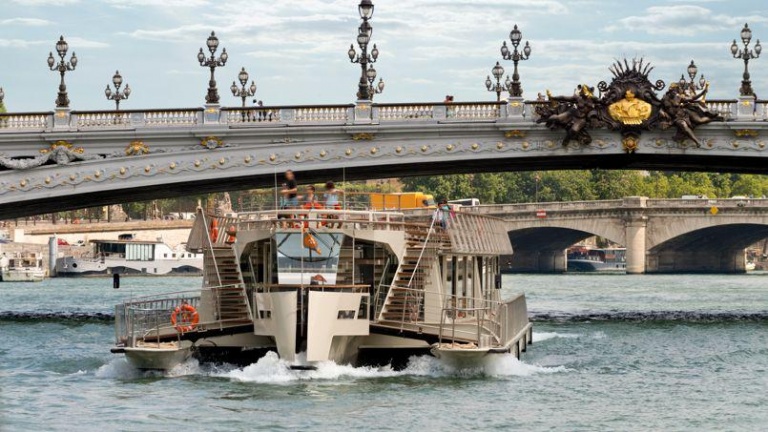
x: 25, y: 122
x: 137, y: 319
x: 474, y: 233
x: 725, y: 108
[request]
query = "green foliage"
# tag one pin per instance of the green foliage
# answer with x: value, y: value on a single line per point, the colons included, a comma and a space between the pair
x: 546, y: 186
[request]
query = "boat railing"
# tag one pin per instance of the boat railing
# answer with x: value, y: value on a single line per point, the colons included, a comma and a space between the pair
x: 150, y: 317
x: 450, y: 313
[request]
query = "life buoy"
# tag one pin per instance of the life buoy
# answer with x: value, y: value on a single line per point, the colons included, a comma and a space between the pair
x: 214, y: 230
x: 189, y: 318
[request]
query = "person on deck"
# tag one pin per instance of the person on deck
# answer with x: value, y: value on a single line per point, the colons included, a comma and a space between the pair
x: 332, y: 200
x: 290, y: 192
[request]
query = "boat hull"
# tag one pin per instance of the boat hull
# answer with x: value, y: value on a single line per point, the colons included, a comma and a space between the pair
x: 23, y: 275
x: 164, y: 356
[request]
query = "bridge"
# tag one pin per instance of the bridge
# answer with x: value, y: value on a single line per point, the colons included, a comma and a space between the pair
x: 65, y: 159
x: 661, y: 235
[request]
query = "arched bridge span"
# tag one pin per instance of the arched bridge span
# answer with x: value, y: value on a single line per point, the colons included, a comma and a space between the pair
x: 66, y: 160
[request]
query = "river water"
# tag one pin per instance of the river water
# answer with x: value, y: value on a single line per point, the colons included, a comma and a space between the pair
x: 617, y: 352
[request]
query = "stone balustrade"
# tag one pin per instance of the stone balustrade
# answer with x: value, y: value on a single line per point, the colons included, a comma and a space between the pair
x: 25, y: 122
x: 515, y: 112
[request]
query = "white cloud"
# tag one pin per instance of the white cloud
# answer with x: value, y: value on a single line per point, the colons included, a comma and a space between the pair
x: 688, y: 20
x: 45, y: 2
x: 30, y: 22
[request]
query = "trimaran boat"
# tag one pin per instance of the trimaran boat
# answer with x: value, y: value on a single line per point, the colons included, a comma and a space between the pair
x: 353, y: 287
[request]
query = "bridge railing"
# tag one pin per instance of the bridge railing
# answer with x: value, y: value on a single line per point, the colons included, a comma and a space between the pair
x: 270, y: 116
x: 549, y: 206
x: 307, y: 114
x: 129, y: 119
x: 26, y: 122
x: 707, y: 203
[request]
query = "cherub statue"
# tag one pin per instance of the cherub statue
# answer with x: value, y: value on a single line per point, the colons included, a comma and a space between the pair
x: 577, y: 113
x: 685, y: 112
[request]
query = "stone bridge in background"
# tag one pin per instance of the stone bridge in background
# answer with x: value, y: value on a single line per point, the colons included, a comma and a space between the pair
x: 661, y: 235
x: 65, y: 160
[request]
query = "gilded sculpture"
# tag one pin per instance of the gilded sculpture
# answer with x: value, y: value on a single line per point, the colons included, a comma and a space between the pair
x: 630, y: 110
x: 629, y: 105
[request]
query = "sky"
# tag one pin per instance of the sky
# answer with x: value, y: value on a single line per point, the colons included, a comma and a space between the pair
x: 296, y: 51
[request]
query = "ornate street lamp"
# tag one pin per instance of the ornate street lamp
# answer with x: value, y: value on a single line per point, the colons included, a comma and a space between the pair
x: 690, y: 85
x: 746, y: 54
x: 498, y: 73
x: 243, y: 92
x: 212, y: 62
x: 370, y: 74
x: 117, y: 95
x: 62, y: 100
x: 364, y: 33
x: 515, y: 36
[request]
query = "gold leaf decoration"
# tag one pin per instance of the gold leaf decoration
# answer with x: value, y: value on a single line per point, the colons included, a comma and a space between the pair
x: 136, y: 148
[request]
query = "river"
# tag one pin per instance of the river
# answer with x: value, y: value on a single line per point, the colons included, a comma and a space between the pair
x: 673, y: 352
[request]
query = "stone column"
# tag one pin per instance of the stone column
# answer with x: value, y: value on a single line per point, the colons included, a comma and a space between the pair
x: 745, y: 110
x: 635, y: 227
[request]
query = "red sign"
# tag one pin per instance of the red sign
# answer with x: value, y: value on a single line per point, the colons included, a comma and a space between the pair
x: 541, y: 214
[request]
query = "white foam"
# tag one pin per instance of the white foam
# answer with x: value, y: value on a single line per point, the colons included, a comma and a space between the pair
x: 271, y: 370
x: 542, y: 336
x: 118, y: 368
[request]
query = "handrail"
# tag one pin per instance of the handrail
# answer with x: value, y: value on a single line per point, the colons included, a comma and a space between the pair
x: 201, y: 214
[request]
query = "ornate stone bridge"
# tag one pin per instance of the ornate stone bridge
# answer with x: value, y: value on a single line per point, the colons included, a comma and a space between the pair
x: 71, y: 159
x: 661, y: 235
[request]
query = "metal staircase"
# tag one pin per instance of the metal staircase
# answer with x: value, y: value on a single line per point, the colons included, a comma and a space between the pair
x: 405, y: 300
x: 231, y: 299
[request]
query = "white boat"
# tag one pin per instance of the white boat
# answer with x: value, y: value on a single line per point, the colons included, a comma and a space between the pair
x: 353, y: 287
x: 23, y: 267
x: 132, y: 257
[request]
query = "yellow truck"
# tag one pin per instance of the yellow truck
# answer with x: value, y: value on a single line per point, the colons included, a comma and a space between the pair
x: 401, y: 201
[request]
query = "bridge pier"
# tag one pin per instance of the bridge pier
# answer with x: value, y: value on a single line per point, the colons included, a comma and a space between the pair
x: 537, y: 261
x: 635, y: 234
x: 701, y: 261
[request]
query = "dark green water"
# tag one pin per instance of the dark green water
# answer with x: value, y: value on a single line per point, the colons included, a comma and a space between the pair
x: 610, y: 353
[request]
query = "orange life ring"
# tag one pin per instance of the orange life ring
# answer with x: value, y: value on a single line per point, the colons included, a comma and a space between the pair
x: 214, y: 230
x: 189, y: 318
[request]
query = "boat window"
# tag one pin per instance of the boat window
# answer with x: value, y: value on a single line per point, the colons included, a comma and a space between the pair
x: 165, y: 255
x: 308, y: 258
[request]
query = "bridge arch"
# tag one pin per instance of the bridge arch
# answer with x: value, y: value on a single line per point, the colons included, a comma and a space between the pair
x: 542, y: 248
x: 708, y: 249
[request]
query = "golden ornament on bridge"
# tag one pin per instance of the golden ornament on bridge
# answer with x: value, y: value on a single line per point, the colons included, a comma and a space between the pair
x: 630, y: 110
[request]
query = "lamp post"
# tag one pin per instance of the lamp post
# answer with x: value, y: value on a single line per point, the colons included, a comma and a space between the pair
x: 746, y: 54
x: 117, y: 95
x: 62, y: 66
x: 212, y: 62
x: 690, y: 86
x: 498, y: 72
x: 363, y: 58
x: 515, y: 36
x: 370, y: 74
x: 243, y: 92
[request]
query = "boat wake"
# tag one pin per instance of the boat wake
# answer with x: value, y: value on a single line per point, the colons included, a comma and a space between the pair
x: 270, y: 369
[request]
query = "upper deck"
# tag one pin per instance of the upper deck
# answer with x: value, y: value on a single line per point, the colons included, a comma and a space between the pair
x: 465, y: 233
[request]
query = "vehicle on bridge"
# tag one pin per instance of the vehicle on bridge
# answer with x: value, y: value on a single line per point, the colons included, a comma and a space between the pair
x: 359, y: 287
x: 401, y: 201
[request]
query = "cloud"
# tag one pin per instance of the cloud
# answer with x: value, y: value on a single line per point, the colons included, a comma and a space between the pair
x: 45, y: 2
x: 688, y: 20
x: 29, y: 22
